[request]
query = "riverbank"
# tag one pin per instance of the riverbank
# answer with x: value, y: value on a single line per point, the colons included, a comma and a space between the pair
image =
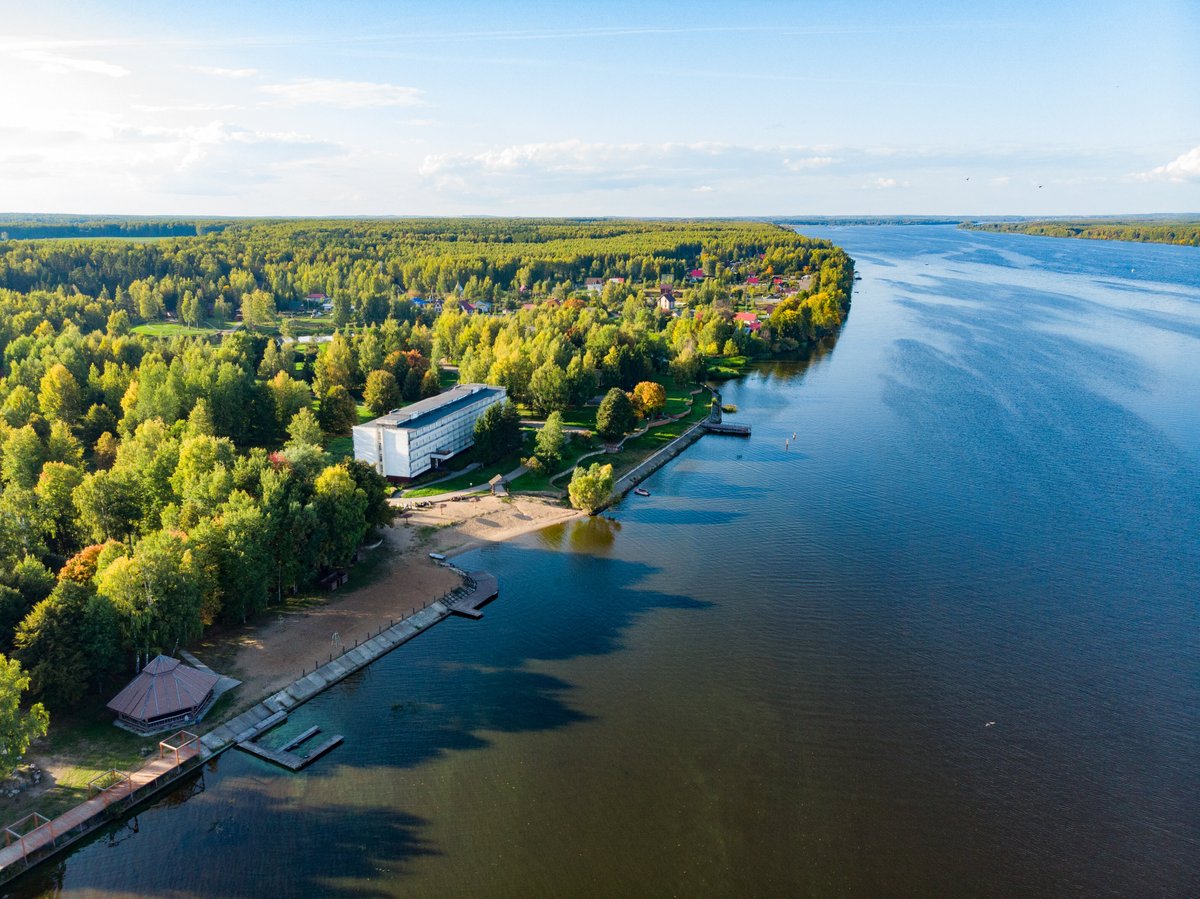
x: 398, y: 578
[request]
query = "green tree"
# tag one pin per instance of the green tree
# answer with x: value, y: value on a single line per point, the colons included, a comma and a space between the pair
x: 68, y: 641
x: 189, y: 309
x: 615, y: 416
x: 304, y: 429
x: 109, y: 503
x: 497, y: 432
x: 549, y: 390
x: 339, y: 412
x: 340, y: 507
x: 382, y: 393
x: 54, y: 491
x: 59, y: 395
x: 258, y: 309
x: 17, y: 729
x: 157, y: 593
x: 24, y: 454
x: 551, y: 439
x: 591, y: 487
x: 288, y: 396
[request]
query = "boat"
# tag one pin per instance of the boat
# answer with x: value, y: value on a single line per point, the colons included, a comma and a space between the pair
x: 641, y: 491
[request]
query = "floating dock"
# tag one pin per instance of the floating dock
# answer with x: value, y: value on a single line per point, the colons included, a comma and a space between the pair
x: 36, y: 838
x: 286, y: 756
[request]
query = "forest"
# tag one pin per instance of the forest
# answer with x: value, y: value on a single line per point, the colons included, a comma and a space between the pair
x: 168, y: 405
x: 1179, y: 231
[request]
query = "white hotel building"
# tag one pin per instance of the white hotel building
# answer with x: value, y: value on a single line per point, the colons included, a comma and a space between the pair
x: 410, y: 441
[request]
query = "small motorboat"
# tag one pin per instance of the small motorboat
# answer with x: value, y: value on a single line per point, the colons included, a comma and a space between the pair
x: 641, y: 491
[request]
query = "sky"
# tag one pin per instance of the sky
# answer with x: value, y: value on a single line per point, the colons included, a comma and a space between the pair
x: 646, y: 109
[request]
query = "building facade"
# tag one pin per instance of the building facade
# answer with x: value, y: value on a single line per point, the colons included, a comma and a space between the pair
x: 408, y: 442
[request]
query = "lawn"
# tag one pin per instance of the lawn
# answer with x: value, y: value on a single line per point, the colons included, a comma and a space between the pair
x: 722, y: 368
x: 468, y: 479
x: 641, y: 448
x: 172, y: 329
x: 87, y: 737
x: 539, y: 481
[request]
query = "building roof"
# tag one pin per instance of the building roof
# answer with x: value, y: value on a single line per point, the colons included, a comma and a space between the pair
x: 165, y: 687
x: 746, y: 317
x: 428, y: 411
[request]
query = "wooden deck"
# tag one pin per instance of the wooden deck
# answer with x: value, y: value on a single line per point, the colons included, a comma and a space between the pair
x: 286, y: 756
x: 478, y: 589
x: 724, y: 427
x: 74, y: 823
x: 24, y: 849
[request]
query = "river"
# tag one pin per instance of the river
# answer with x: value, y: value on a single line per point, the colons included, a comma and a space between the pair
x: 946, y: 642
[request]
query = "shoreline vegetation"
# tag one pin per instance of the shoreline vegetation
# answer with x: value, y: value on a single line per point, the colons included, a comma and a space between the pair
x: 174, y: 416
x: 1175, y: 230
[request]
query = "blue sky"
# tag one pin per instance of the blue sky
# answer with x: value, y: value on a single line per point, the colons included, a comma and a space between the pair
x: 752, y: 108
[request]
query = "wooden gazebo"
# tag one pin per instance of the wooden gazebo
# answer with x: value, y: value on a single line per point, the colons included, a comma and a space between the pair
x: 164, y: 696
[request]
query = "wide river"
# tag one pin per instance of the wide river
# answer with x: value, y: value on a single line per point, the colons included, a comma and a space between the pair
x: 946, y: 642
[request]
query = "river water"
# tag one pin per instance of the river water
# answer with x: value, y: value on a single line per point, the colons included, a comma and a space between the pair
x: 946, y: 642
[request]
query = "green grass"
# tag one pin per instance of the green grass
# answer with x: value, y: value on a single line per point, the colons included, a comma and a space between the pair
x: 447, y: 377
x: 172, y: 329
x: 340, y: 448
x: 467, y: 480
x: 722, y: 368
x: 87, y: 737
x: 539, y: 481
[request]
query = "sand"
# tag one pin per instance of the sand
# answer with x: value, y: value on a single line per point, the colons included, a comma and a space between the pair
x: 269, y: 654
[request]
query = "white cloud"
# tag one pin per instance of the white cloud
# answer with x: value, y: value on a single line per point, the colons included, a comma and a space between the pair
x: 577, y: 165
x: 1182, y: 168
x: 810, y: 162
x: 346, y: 94
x: 882, y: 183
x: 220, y: 72
x: 213, y: 159
x: 58, y: 64
x: 186, y: 107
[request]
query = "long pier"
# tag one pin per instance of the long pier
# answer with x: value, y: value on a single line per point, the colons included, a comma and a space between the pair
x: 36, y: 838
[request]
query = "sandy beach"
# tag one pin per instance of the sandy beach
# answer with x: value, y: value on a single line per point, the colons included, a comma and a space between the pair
x: 271, y: 653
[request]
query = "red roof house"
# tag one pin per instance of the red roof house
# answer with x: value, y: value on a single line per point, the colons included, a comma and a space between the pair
x: 164, y: 696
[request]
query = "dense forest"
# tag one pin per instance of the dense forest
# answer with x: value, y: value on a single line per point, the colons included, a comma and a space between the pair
x: 1181, y: 231
x: 167, y: 405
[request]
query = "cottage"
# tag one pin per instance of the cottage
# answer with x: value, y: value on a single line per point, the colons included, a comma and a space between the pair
x: 666, y: 301
x: 617, y: 281
x: 595, y: 285
x: 696, y: 274
x: 166, y: 695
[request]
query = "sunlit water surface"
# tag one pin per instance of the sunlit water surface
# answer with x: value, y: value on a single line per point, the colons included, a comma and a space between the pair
x: 944, y: 643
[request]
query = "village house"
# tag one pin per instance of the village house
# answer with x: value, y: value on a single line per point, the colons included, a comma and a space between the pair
x: 595, y: 285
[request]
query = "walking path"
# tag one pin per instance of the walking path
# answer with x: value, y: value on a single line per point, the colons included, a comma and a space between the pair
x: 44, y: 838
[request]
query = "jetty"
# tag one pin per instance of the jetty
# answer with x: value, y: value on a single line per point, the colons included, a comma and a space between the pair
x: 709, y: 425
x: 35, y: 837
x: 726, y: 427
x: 286, y: 756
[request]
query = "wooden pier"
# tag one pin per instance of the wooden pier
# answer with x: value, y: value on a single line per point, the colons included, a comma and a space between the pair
x: 286, y: 756
x: 725, y: 427
x: 478, y: 589
x: 36, y: 838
